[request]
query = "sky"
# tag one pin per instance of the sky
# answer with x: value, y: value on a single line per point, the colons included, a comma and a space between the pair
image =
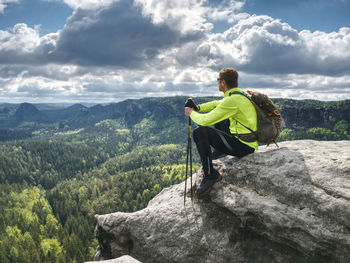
x: 102, y: 51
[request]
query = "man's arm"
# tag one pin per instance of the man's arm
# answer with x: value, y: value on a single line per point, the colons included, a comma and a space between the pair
x: 208, y: 106
x: 222, y: 111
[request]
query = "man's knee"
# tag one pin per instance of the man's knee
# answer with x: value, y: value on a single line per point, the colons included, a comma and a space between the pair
x: 199, y: 132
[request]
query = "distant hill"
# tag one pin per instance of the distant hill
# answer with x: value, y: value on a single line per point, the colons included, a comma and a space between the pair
x: 163, y: 112
x: 9, y: 105
x: 4, y: 110
x: 65, y: 113
x: 28, y: 112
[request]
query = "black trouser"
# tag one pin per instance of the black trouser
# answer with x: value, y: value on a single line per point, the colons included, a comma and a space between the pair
x: 205, y: 137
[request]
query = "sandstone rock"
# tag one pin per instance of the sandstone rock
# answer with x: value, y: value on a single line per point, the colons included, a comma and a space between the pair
x: 123, y: 259
x: 290, y: 204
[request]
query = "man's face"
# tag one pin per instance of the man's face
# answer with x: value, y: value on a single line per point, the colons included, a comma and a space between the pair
x: 220, y: 83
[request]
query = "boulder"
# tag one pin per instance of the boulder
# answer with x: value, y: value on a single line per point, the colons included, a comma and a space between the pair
x: 287, y: 204
x: 123, y: 259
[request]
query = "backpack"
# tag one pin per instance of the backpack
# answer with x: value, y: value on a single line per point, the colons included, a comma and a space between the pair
x: 269, y: 120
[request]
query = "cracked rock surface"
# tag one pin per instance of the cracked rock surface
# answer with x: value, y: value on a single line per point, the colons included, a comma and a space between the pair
x: 287, y: 204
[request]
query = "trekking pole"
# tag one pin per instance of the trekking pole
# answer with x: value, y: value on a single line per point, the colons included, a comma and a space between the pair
x: 190, y: 142
x: 189, y: 152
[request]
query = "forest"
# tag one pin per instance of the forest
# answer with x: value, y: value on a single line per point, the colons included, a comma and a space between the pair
x: 60, y: 167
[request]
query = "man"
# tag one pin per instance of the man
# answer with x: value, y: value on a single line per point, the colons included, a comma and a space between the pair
x: 241, y: 114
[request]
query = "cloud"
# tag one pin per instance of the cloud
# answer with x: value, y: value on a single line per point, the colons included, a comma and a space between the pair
x: 306, y: 86
x: 187, y: 16
x: 22, y: 39
x: 227, y: 10
x: 23, y: 45
x: 118, y: 36
x: 115, y: 36
x: 112, y: 50
x: 4, y: 4
x: 88, y: 4
x: 261, y: 44
x: 50, y: 71
x: 151, y: 33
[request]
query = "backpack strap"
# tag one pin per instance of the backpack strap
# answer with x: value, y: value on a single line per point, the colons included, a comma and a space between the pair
x: 241, y: 93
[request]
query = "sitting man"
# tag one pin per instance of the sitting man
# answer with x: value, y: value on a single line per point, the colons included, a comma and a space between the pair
x: 241, y: 114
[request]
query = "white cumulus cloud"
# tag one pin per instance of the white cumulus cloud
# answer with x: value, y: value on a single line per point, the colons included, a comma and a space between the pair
x: 261, y: 44
x: 4, y: 4
x: 112, y: 50
x: 89, y: 4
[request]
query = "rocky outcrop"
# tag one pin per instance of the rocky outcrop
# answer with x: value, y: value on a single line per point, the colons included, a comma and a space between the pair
x: 287, y: 204
x: 306, y: 118
x: 123, y: 259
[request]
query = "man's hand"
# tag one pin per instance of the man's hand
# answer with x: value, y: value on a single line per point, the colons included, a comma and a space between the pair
x: 190, y: 103
x: 188, y: 111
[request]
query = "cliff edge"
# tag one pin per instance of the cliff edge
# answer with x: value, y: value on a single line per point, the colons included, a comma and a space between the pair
x: 287, y: 204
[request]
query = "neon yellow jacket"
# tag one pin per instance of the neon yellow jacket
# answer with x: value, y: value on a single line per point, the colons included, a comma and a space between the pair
x: 234, y: 107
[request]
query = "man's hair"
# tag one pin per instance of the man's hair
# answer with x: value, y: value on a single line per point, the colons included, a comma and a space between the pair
x: 230, y: 75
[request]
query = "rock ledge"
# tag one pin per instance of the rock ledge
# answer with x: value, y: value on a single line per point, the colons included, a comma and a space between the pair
x: 290, y: 204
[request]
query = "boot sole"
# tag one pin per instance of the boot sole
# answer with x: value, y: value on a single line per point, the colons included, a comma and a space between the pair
x: 205, y: 193
x: 209, y: 189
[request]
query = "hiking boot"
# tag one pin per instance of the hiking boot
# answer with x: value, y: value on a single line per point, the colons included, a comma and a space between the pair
x: 217, y: 154
x: 207, y: 183
x: 217, y: 180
